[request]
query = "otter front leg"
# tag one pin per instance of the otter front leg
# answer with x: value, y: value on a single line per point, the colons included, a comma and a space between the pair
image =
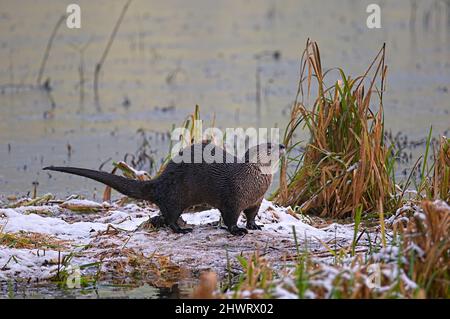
x: 230, y: 218
x: 250, y: 214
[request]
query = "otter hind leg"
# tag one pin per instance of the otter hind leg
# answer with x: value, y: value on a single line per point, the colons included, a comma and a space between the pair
x: 171, y: 219
x: 230, y: 218
x: 250, y: 214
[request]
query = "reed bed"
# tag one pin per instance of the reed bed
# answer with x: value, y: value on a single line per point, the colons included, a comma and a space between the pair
x: 346, y: 164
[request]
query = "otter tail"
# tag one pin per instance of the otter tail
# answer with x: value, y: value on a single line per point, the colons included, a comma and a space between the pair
x: 130, y: 187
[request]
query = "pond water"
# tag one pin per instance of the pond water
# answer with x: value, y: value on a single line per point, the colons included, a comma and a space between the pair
x: 18, y: 290
x: 169, y: 56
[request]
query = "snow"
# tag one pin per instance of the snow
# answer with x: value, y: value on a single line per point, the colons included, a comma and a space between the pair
x: 284, y: 223
x: 49, y: 225
x: 45, y: 210
x: 275, y: 219
x: 205, y: 248
x: 25, y: 263
x: 202, y: 218
x: 83, y: 202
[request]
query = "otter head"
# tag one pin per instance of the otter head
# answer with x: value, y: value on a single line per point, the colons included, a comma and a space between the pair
x: 266, y: 156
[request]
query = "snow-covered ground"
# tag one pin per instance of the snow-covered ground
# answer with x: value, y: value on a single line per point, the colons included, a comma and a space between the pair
x: 37, y: 242
x: 101, y: 228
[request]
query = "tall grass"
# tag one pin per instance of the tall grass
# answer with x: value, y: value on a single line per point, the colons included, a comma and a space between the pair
x: 440, y: 185
x: 346, y: 162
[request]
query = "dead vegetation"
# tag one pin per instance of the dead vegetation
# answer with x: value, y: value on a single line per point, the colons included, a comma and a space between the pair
x: 31, y: 240
x: 344, y: 165
x: 127, y: 266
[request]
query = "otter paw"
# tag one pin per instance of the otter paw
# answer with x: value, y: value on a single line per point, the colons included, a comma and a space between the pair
x: 177, y: 229
x: 237, y: 231
x: 185, y: 230
x: 254, y: 226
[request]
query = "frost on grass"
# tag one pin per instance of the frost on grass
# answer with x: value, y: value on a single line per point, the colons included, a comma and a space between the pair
x: 114, y: 240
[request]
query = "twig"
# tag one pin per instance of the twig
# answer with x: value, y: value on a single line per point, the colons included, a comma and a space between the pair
x: 13, y: 257
x: 48, y: 48
x: 80, y: 50
x: 100, y: 63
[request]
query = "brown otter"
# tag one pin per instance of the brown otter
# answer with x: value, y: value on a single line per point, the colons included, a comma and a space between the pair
x: 231, y: 185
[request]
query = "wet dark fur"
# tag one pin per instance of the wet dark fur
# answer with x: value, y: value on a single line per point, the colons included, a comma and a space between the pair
x: 230, y: 187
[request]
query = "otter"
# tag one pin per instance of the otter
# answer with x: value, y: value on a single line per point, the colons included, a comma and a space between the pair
x: 226, y: 183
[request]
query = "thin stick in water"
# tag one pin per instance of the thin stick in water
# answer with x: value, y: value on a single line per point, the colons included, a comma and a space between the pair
x: 48, y: 48
x: 100, y: 63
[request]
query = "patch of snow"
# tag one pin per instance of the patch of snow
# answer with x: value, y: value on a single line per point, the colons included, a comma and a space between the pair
x: 49, y: 225
x: 113, y: 217
x: 79, y: 231
x: 82, y: 202
x: 32, y: 263
x: 54, y: 210
x: 274, y: 219
x: 25, y: 263
x: 202, y: 218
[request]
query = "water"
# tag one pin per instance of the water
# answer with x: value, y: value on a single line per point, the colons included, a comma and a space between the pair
x: 169, y: 56
x: 19, y: 290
